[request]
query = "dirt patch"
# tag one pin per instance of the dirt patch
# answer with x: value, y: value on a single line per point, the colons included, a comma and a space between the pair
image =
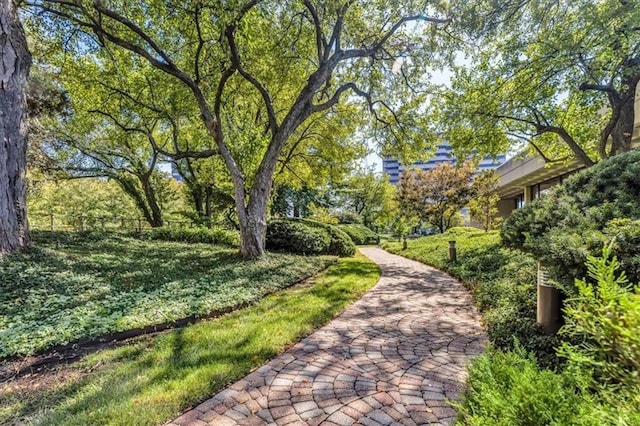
x: 26, y: 385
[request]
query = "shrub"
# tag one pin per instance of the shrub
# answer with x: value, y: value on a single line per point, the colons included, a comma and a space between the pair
x: 604, y: 318
x: 508, y: 388
x: 308, y: 237
x: 360, y: 234
x: 575, y: 219
x: 296, y: 237
x: 348, y: 218
x: 601, y: 381
x: 192, y: 235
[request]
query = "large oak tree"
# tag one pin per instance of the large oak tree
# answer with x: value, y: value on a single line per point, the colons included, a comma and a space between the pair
x: 324, y: 51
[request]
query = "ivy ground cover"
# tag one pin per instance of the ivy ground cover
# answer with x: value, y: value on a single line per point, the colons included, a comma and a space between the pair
x: 74, y: 286
x: 151, y: 379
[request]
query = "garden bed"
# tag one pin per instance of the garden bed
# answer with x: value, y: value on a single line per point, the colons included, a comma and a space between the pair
x: 80, y: 287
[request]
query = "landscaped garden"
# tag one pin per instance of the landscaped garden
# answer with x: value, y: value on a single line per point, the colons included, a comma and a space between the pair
x: 585, y: 232
x: 153, y: 378
x: 78, y: 286
x: 190, y: 165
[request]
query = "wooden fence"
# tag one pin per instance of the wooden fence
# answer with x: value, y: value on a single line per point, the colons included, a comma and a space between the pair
x: 79, y: 223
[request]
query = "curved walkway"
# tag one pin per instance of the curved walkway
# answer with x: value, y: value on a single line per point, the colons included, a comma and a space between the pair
x: 392, y: 358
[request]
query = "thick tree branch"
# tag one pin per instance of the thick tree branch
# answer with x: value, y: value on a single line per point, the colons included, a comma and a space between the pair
x: 266, y: 97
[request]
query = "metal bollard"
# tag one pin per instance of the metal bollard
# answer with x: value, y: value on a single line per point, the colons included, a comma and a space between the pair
x: 549, y: 305
x: 453, y: 255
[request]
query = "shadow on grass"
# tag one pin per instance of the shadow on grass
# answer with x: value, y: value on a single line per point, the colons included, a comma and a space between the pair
x: 153, y: 379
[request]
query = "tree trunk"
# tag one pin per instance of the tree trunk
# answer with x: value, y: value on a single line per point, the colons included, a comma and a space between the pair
x: 15, y: 61
x: 623, y: 128
x: 207, y: 204
x: 152, y: 201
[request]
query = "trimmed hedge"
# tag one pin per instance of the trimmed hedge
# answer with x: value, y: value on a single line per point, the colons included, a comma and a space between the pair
x: 579, y: 217
x: 360, y: 234
x: 192, y: 235
x: 308, y: 237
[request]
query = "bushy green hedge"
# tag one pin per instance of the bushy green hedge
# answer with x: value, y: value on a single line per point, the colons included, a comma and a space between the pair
x: 192, y: 235
x: 580, y: 216
x: 360, y: 234
x: 308, y: 237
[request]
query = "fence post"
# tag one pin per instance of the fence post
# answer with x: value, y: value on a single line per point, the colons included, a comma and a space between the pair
x: 81, y: 223
x: 139, y: 225
x: 102, y: 222
x: 123, y: 224
x: 51, y: 221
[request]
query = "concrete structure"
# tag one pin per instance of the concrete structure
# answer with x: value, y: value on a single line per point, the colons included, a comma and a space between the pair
x: 443, y: 154
x: 525, y: 179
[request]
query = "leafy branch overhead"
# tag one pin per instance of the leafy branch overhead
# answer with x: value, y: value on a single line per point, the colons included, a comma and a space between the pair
x: 280, y: 62
x: 559, y: 76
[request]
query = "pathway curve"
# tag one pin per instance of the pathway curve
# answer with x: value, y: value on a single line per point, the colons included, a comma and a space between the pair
x: 392, y: 358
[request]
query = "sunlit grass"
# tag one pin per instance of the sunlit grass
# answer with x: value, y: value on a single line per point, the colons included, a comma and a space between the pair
x: 152, y: 380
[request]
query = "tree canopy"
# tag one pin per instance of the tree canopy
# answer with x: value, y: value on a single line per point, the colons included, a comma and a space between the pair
x: 558, y: 75
x: 257, y: 71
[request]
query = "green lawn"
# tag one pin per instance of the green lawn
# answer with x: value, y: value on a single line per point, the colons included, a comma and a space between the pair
x: 85, y: 285
x: 434, y: 249
x: 153, y: 379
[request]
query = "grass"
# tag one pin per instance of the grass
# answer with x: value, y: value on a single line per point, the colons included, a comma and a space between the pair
x: 153, y: 379
x: 75, y: 286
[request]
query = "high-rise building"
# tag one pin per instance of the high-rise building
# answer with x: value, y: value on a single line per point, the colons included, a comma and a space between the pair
x: 443, y: 154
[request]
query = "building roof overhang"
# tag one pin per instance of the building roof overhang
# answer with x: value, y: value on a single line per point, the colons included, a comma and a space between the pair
x: 518, y: 173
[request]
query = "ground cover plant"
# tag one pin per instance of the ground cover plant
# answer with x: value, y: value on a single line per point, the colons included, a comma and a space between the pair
x: 191, y: 235
x: 154, y: 378
x: 502, y: 281
x: 76, y: 285
x: 599, y: 384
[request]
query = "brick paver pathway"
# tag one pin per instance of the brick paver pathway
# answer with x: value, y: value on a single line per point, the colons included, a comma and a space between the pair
x: 392, y: 358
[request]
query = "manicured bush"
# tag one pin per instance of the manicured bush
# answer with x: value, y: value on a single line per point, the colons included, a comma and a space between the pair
x: 296, y: 237
x: 305, y: 236
x: 579, y: 217
x: 348, y: 218
x: 192, y: 235
x: 360, y: 234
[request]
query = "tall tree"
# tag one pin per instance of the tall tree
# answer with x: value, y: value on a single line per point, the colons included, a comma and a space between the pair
x: 15, y: 61
x: 369, y: 196
x: 484, y: 204
x: 560, y: 75
x: 299, y: 56
x: 437, y: 195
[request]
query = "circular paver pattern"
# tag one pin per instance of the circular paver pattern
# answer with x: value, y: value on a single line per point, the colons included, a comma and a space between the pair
x: 395, y: 357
